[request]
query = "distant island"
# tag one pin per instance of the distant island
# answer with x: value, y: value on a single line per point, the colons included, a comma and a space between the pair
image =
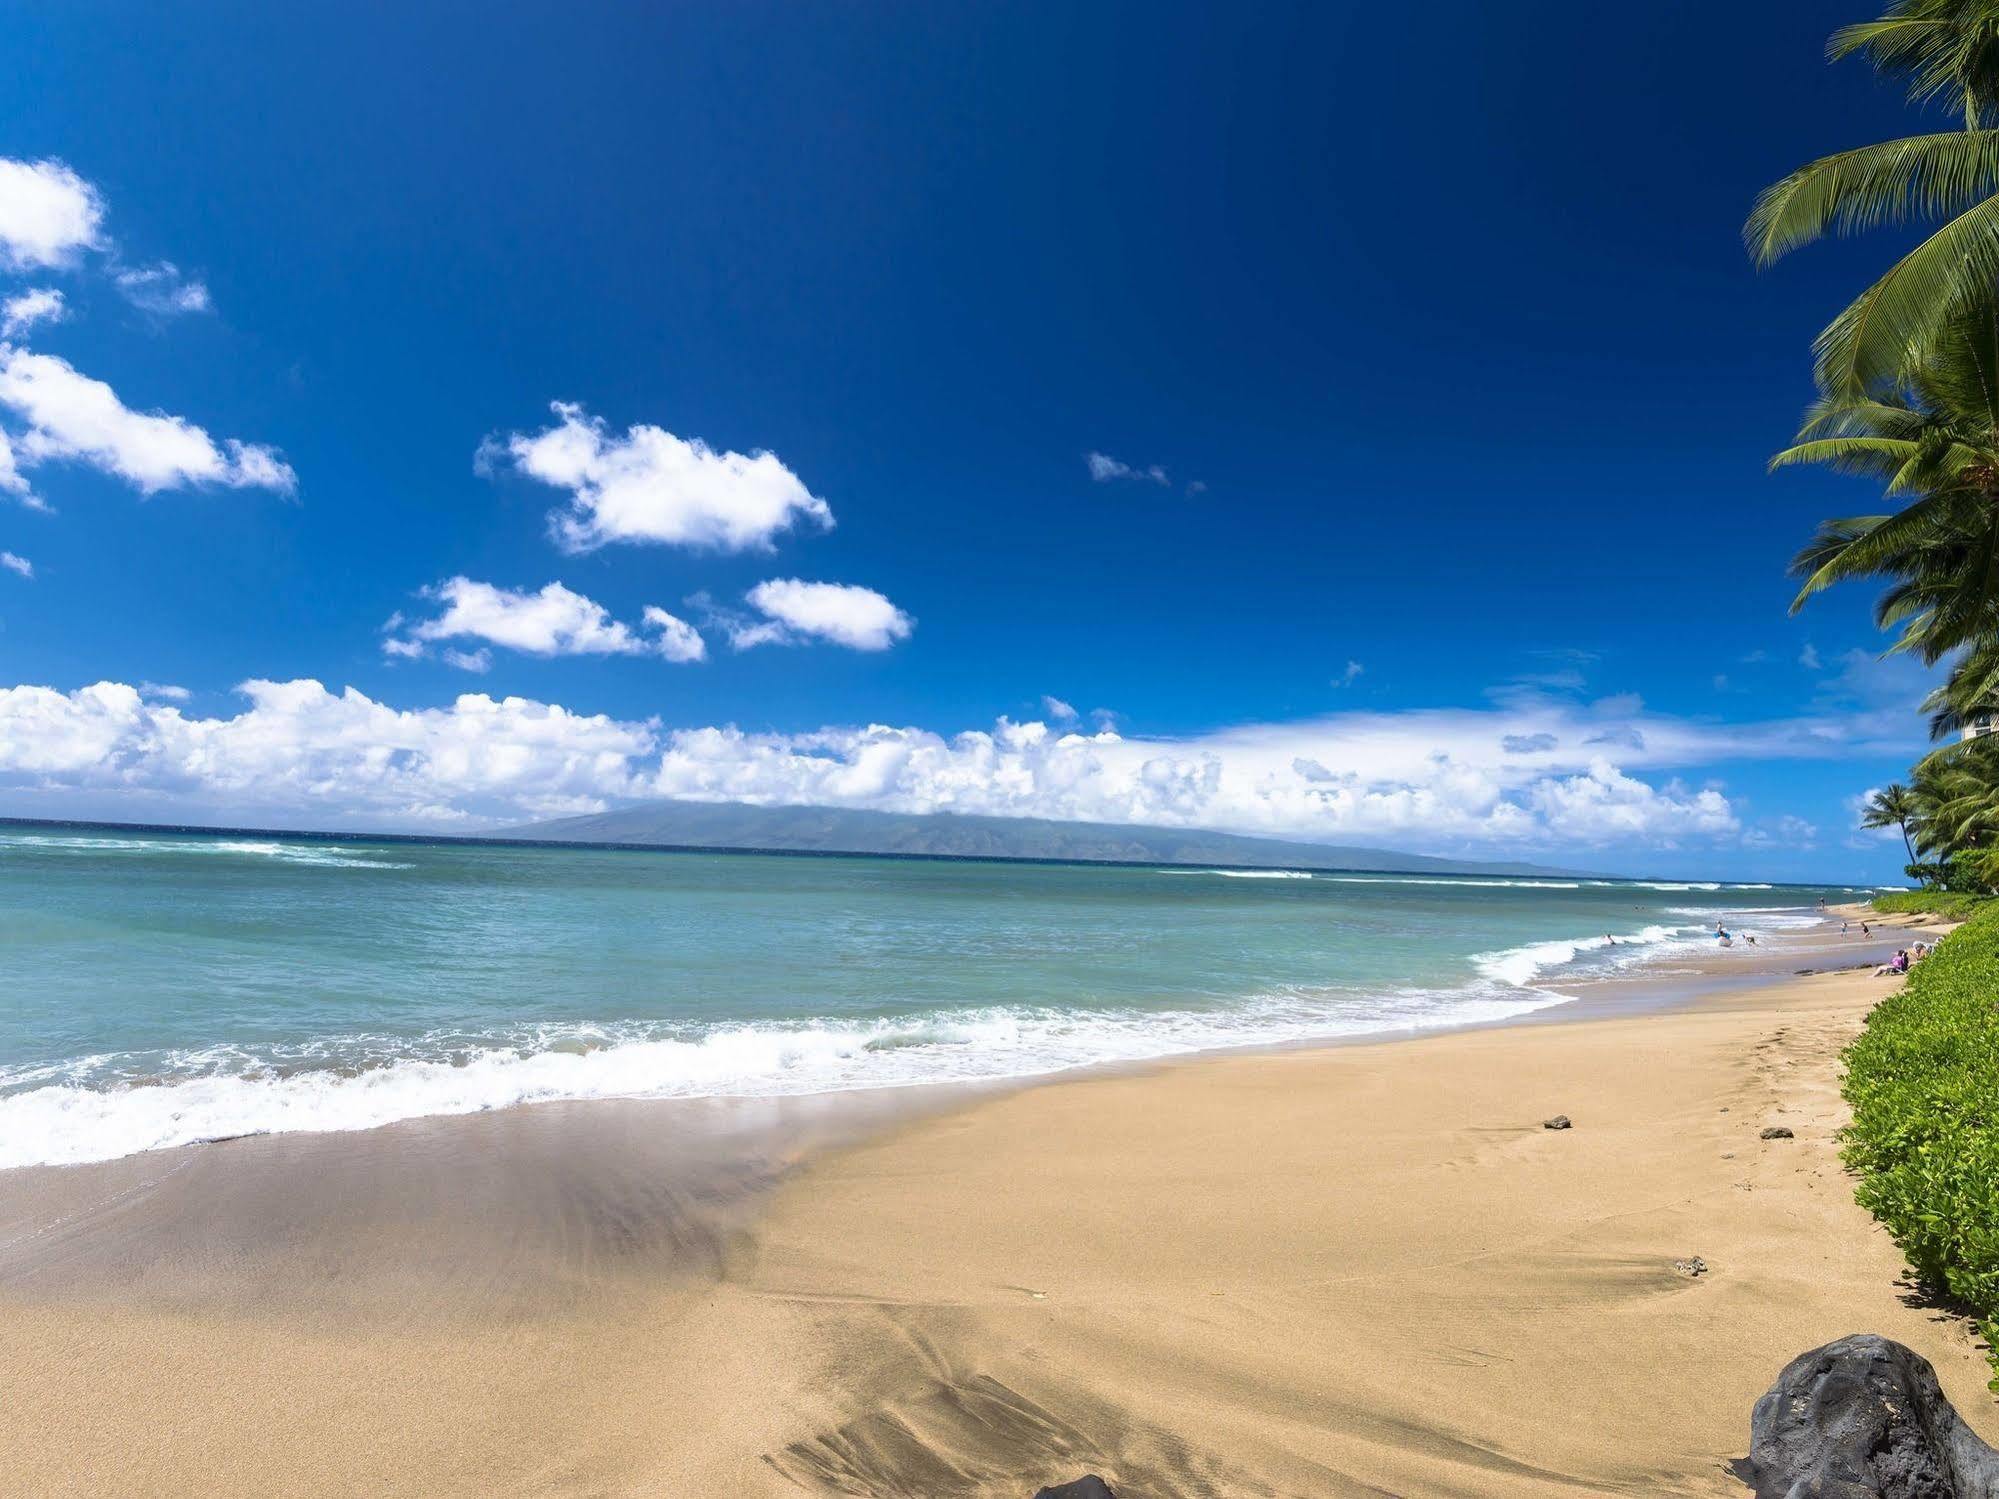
x: 737, y: 825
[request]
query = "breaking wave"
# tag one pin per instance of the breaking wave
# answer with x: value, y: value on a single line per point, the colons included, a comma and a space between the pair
x: 324, y: 855
x: 96, y: 1109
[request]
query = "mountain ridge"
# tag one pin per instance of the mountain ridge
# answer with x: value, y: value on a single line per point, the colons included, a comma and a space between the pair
x: 815, y: 829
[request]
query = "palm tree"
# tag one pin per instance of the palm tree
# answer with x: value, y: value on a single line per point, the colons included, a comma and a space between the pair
x: 1956, y: 792
x: 1893, y: 806
x: 1932, y: 437
x: 1948, y: 50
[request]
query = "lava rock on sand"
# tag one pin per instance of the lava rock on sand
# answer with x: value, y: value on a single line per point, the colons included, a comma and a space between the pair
x: 1864, y: 1418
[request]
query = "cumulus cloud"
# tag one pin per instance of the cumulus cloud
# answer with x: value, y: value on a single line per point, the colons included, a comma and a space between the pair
x: 1427, y: 779
x: 298, y: 748
x: 651, y: 486
x: 14, y: 562
x: 161, y: 289
x: 1030, y: 770
x: 555, y: 621
x: 1057, y: 710
x: 41, y: 304
x: 678, y: 640
x: 47, y: 214
x: 796, y: 612
x: 72, y: 417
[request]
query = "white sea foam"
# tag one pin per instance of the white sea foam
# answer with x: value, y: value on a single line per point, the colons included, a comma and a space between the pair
x: 1521, y: 966
x: 1665, y: 885
x: 1443, y: 879
x: 1247, y: 874
x: 80, y: 1119
x: 326, y: 855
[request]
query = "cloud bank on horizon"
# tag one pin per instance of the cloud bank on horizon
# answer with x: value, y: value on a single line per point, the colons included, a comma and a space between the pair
x: 1533, y: 772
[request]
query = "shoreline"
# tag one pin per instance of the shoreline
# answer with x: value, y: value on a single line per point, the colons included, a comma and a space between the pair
x: 95, y: 1126
x: 1315, y: 1269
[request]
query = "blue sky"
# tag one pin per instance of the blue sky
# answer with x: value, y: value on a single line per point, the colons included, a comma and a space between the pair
x: 1429, y: 386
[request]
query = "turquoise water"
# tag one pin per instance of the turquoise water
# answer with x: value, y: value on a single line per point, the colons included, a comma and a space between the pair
x: 162, y: 989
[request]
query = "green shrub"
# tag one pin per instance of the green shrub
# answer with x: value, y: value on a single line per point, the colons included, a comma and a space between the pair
x: 1923, y: 1080
x: 1928, y: 903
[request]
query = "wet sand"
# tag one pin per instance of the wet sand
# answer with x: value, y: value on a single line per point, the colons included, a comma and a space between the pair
x: 1360, y: 1269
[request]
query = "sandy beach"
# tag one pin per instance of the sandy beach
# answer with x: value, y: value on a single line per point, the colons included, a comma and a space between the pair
x: 1360, y: 1269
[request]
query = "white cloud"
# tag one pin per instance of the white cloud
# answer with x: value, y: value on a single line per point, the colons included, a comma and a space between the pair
x: 47, y: 214
x: 1219, y: 781
x: 1350, y: 675
x: 164, y: 690
x: 1104, y: 468
x: 42, y: 304
x: 1439, y: 780
x: 298, y: 748
x: 553, y: 622
x: 480, y: 660
x: 796, y: 611
x: 651, y: 486
x: 71, y: 416
x: 161, y: 289
x: 1058, y: 710
x: 678, y: 640
x: 16, y: 563
x: 1808, y: 658
x: 12, y: 480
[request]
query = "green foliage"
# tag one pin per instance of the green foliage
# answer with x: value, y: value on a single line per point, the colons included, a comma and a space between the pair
x: 1946, y: 904
x: 1923, y: 1080
x: 1932, y: 439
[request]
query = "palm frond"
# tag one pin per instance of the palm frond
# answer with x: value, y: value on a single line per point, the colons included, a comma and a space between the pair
x: 1920, y: 177
x: 1898, y: 319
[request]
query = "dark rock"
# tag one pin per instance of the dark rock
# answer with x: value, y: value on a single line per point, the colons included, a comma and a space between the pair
x: 1693, y: 1268
x: 1777, y: 1132
x: 1087, y: 1487
x: 1864, y: 1418
x: 1560, y: 1121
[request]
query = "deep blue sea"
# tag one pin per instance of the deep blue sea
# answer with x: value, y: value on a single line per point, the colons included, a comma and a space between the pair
x: 158, y: 989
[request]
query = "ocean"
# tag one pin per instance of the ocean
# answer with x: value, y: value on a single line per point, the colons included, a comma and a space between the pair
x: 163, y: 989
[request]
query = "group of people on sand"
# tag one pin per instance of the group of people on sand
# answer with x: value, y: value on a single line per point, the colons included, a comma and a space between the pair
x: 1905, y: 958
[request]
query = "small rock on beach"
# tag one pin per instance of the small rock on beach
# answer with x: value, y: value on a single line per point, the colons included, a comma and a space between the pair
x: 1087, y: 1487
